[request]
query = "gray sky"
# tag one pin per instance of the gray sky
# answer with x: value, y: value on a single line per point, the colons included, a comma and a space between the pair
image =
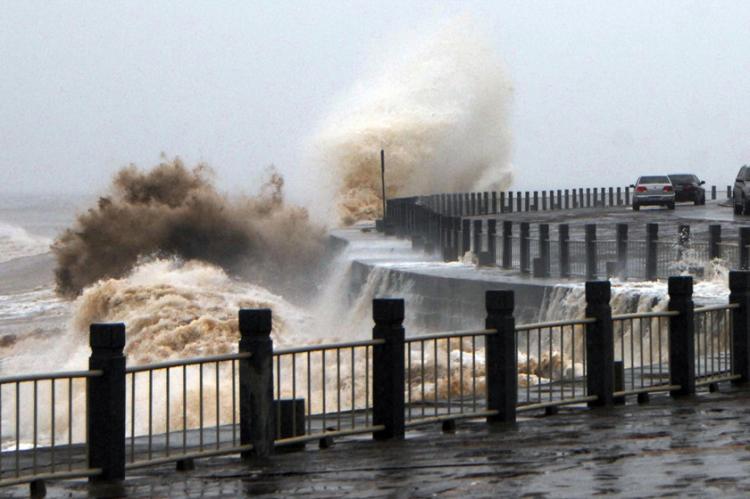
x: 603, y: 91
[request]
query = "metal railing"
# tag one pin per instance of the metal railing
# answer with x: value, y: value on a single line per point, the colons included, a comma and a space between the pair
x: 713, y: 343
x: 335, y: 382
x: 182, y: 409
x: 641, y: 343
x: 445, y: 376
x: 577, y: 252
x: 46, y: 443
x: 551, y: 363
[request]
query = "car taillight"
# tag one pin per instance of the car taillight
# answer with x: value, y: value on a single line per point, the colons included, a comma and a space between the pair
x: 640, y: 188
x: 667, y: 188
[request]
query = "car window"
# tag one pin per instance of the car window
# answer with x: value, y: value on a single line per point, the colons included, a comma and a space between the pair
x: 662, y: 179
x: 683, y: 179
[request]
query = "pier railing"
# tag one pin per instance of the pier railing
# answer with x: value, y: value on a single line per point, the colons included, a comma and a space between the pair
x: 101, y: 422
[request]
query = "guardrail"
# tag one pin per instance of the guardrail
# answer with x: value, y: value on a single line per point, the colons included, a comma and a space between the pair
x: 258, y: 399
x: 532, y: 249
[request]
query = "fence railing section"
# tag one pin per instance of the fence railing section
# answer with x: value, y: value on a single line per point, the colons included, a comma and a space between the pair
x: 642, y: 348
x: 324, y: 390
x: 446, y: 376
x: 183, y: 409
x: 43, y: 427
x: 551, y: 363
x: 713, y: 343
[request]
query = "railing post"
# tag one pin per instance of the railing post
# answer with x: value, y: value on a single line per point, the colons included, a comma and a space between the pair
x: 575, y: 199
x: 544, y: 200
x: 388, y: 368
x: 526, y: 201
x: 739, y: 294
x: 544, y: 248
x: 563, y: 236
x: 105, y: 403
x: 627, y: 196
x: 591, y: 252
x: 681, y: 335
x: 256, y: 383
x: 619, y: 196
x: 567, y: 198
x: 743, y: 249
x: 652, y: 236
x: 493, y: 209
x: 714, y: 240
x: 622, y: 250
x: 713, y: 192
x: 599, y: 344
x: 611, y: 197
x: 559, y: 199
x: 501, y: 359
x: 473, y: 205
x: 485, y: 203
x: 506, y: 205
x: 588, y: 197
x: 536, y: 201
x: 507, y: 244
x: 524, y: 247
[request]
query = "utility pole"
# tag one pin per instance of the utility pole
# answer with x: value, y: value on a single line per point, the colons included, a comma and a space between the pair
x: 382, y: 177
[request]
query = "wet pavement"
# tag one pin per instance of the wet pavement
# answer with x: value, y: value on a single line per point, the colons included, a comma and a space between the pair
x: 697, y: 446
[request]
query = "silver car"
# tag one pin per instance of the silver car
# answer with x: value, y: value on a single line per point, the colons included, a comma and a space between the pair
x: 653, y: 190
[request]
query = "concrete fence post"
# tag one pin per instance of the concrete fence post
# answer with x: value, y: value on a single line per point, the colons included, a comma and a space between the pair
x: 536, y: 201
x: 567, y: 198
x: 525, y: 256
x: 518, y: 202
x: 575, y: 199
x: 714, y: 241
x: 257, y: 417
x: 588, y: 197
x: 599, y: 344
x: 744, y: 252
x: 627, y: 196
x: 493, y: 209
x: 465, y: 236
x: 681, y: 335
x: 551, y: 200
x: 485, y: 203
x: 477, y: 237
x: 544, y: 250
x: 683, y: 240
x: 591, y: 262
x: 105, y: 403
x: 491, y: 242
x: 622, y: 250
x: 473, y: 204
x: 563, y: 236
x: 507, y: 244
x: 713, y: 192
x: 388, y: 368
x: 596, y: 196
x: 739, y: 294
x: 501, y: 358
x: 729, y: 192
x: 619, y: 196
x: 652, y: 238
x: 559, y: 199
x: 527, y: 202
x: 611, y: 197
x: 506, y: 206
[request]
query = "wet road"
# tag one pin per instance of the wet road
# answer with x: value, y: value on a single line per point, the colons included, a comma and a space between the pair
x: 697, y: 447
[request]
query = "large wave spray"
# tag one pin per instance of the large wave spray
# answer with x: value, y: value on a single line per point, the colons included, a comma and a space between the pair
x: 175, y: 211
x: 439, y: 108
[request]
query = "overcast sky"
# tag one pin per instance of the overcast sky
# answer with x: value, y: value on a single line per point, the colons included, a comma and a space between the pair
x: 602, y: 91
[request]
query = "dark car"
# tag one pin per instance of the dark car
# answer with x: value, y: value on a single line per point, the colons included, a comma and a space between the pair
x: 687, y: 187
x: 741, y: 193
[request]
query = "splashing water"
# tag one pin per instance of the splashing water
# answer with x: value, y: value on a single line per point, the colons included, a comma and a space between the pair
x: 438, y: 106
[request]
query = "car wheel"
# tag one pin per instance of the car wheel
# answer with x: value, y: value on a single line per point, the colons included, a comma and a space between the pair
x: 670, y: 206
x: 636, y: 207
